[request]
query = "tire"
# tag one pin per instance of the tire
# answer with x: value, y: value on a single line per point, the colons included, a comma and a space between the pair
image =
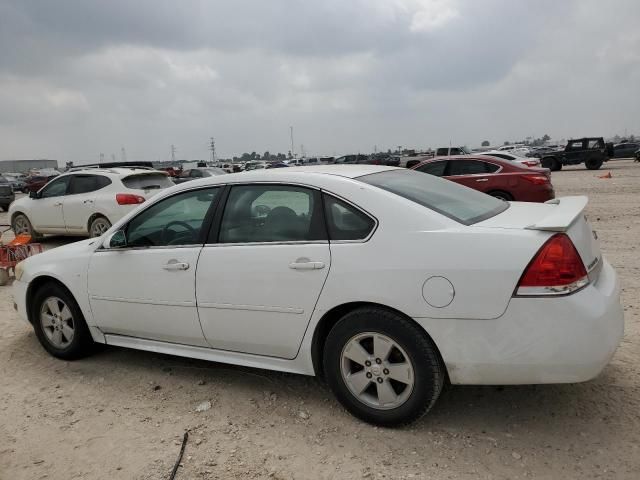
x: 421, y: 378
x: 59, y: 323
x: 593, y: 163
x: 4, y: 208
x: 20, y: 225
x: 499, y: 194
x: 98, y: 226
x: 4, y: 277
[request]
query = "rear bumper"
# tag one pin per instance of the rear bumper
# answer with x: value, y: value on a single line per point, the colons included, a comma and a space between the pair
x: 537, y: 340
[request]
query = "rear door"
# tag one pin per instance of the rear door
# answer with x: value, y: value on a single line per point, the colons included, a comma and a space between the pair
x: 79, y: 203
x: 475, y: 174
x: 260, y: 275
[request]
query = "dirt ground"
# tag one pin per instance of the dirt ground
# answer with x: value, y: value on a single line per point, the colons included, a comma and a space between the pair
x: 122, y: 413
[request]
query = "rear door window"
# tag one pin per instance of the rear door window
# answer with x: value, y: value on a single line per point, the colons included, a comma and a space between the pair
x: 459, y: 203
x: 470, y: 167
x: 272, y: 213
x: 87, y: 183
x: 147, y: 181
x: 345, y: 222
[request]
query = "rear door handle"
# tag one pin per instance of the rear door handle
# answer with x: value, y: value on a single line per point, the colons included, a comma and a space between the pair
x: 173, y: 265
x: 482, y: 180
x: 57, y: 204
x: 88, y: 201
x: 306, y: 265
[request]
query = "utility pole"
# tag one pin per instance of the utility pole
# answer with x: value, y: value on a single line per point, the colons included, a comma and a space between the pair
x: 212, y: 148
x: 123, y: 155
x: 101, y: 157
x: 292, y: 149
x: 302, y: 150
x: 173, y: 153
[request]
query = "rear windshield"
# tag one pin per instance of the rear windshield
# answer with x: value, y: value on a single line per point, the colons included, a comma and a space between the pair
x: 459, y: 203
x: 147, y: 181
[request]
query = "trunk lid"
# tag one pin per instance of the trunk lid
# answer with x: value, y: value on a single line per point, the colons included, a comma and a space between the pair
x: 564, y: 214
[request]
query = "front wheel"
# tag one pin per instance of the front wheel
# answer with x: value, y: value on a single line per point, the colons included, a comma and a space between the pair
x: 593, y: 164
x: 382, y: 367
x: 500, y: 195
x: 21, y: 225
x: 59, y: 323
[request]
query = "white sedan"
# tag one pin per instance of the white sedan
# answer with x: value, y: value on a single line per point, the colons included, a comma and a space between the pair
x: 387, y: 282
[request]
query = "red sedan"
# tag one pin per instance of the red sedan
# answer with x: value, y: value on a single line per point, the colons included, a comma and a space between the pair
x: 500, y: 178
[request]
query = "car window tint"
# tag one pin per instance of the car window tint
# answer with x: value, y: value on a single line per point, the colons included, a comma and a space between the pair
x: 433, y: 168
x: 467, y: 167
x: 345, y: 222
x: 270, y: 213
x: 87, y: 183
x: 459, y: 203
x: 196, y: 173
x: 176, y: 220
x: 491, y: 167
x: 55, y: 188
x: 147, y: 181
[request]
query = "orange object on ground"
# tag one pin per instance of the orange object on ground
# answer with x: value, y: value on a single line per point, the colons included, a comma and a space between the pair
x: 606, y: 175
x: 20, y: 240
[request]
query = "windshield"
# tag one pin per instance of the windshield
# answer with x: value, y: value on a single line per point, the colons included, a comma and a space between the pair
x: 147, y: 181
x: 459, y: 203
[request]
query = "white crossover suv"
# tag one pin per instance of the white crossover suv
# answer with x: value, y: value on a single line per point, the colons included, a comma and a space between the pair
x: 85, y: 202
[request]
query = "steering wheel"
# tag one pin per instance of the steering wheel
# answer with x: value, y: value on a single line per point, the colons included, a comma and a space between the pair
x: 168, y: 226
x: 261, y: 210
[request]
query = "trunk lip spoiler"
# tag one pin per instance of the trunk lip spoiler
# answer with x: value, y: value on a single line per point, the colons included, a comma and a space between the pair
x: 567, y: 210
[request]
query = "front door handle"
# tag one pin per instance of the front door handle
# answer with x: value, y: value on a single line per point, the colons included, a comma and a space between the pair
x: 305, y: 264
x: 482, y: 180
x: 88, y: 201
x: 57, y: 204
x: 173, y: 264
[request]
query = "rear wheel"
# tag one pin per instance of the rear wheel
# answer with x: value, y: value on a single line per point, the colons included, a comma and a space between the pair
x: 382, y: 367
x: 499, y: 194
x: 552, y: 163
x: 21, y: 225
x: 98, y: 226
x: 59, y: 323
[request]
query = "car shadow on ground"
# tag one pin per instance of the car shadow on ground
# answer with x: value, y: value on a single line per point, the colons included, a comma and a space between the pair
x: 459, y: 408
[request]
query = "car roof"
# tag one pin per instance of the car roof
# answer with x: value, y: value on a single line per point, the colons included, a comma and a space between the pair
x: 303, y: 174
x: 115, y: 171
x: 485, y: 158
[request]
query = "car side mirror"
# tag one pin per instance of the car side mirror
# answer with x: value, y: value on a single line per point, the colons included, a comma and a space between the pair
x: 33, y: 195
x: 117, y: 239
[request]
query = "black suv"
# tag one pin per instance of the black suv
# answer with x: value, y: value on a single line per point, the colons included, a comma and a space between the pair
x: 592, y: 151
x: 6, y: 193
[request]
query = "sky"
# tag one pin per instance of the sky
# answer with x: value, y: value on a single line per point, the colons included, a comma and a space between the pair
x: 80, y: 77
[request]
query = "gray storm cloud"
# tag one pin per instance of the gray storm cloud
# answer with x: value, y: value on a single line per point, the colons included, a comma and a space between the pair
x: 79, y: 77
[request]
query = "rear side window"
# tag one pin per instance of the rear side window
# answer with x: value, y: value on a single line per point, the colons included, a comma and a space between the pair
x: 147, y: 181
x: 87, y: 183
x: 346, y: 222
x: 470, y: 167
x: 459, y: 203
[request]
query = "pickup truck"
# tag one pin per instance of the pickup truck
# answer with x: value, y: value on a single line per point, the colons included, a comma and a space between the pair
x: 592, y: 151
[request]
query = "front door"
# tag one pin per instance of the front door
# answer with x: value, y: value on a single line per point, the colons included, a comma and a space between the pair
x: 146, y: 289
x: 260, y: 276
x: 46, y: 214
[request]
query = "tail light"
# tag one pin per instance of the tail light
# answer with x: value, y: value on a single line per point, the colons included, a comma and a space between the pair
x: 557, y: 269
x: 531, y: 163
x: 536, y: 179
x: 128, y: 199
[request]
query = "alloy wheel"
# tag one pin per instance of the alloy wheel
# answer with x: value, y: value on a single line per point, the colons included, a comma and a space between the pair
x: 57, y: 322
x: 377, y: 370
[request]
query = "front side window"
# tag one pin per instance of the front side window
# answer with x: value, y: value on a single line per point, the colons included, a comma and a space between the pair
x: 272, y: 213
x: 433, y: 168
x: 196, y: 173
x: 174, y: 221
x: 346, y: 222
x: 577, y: 145
x: 56, y: 188
x: 459, y: 203
x: 87, y: 183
